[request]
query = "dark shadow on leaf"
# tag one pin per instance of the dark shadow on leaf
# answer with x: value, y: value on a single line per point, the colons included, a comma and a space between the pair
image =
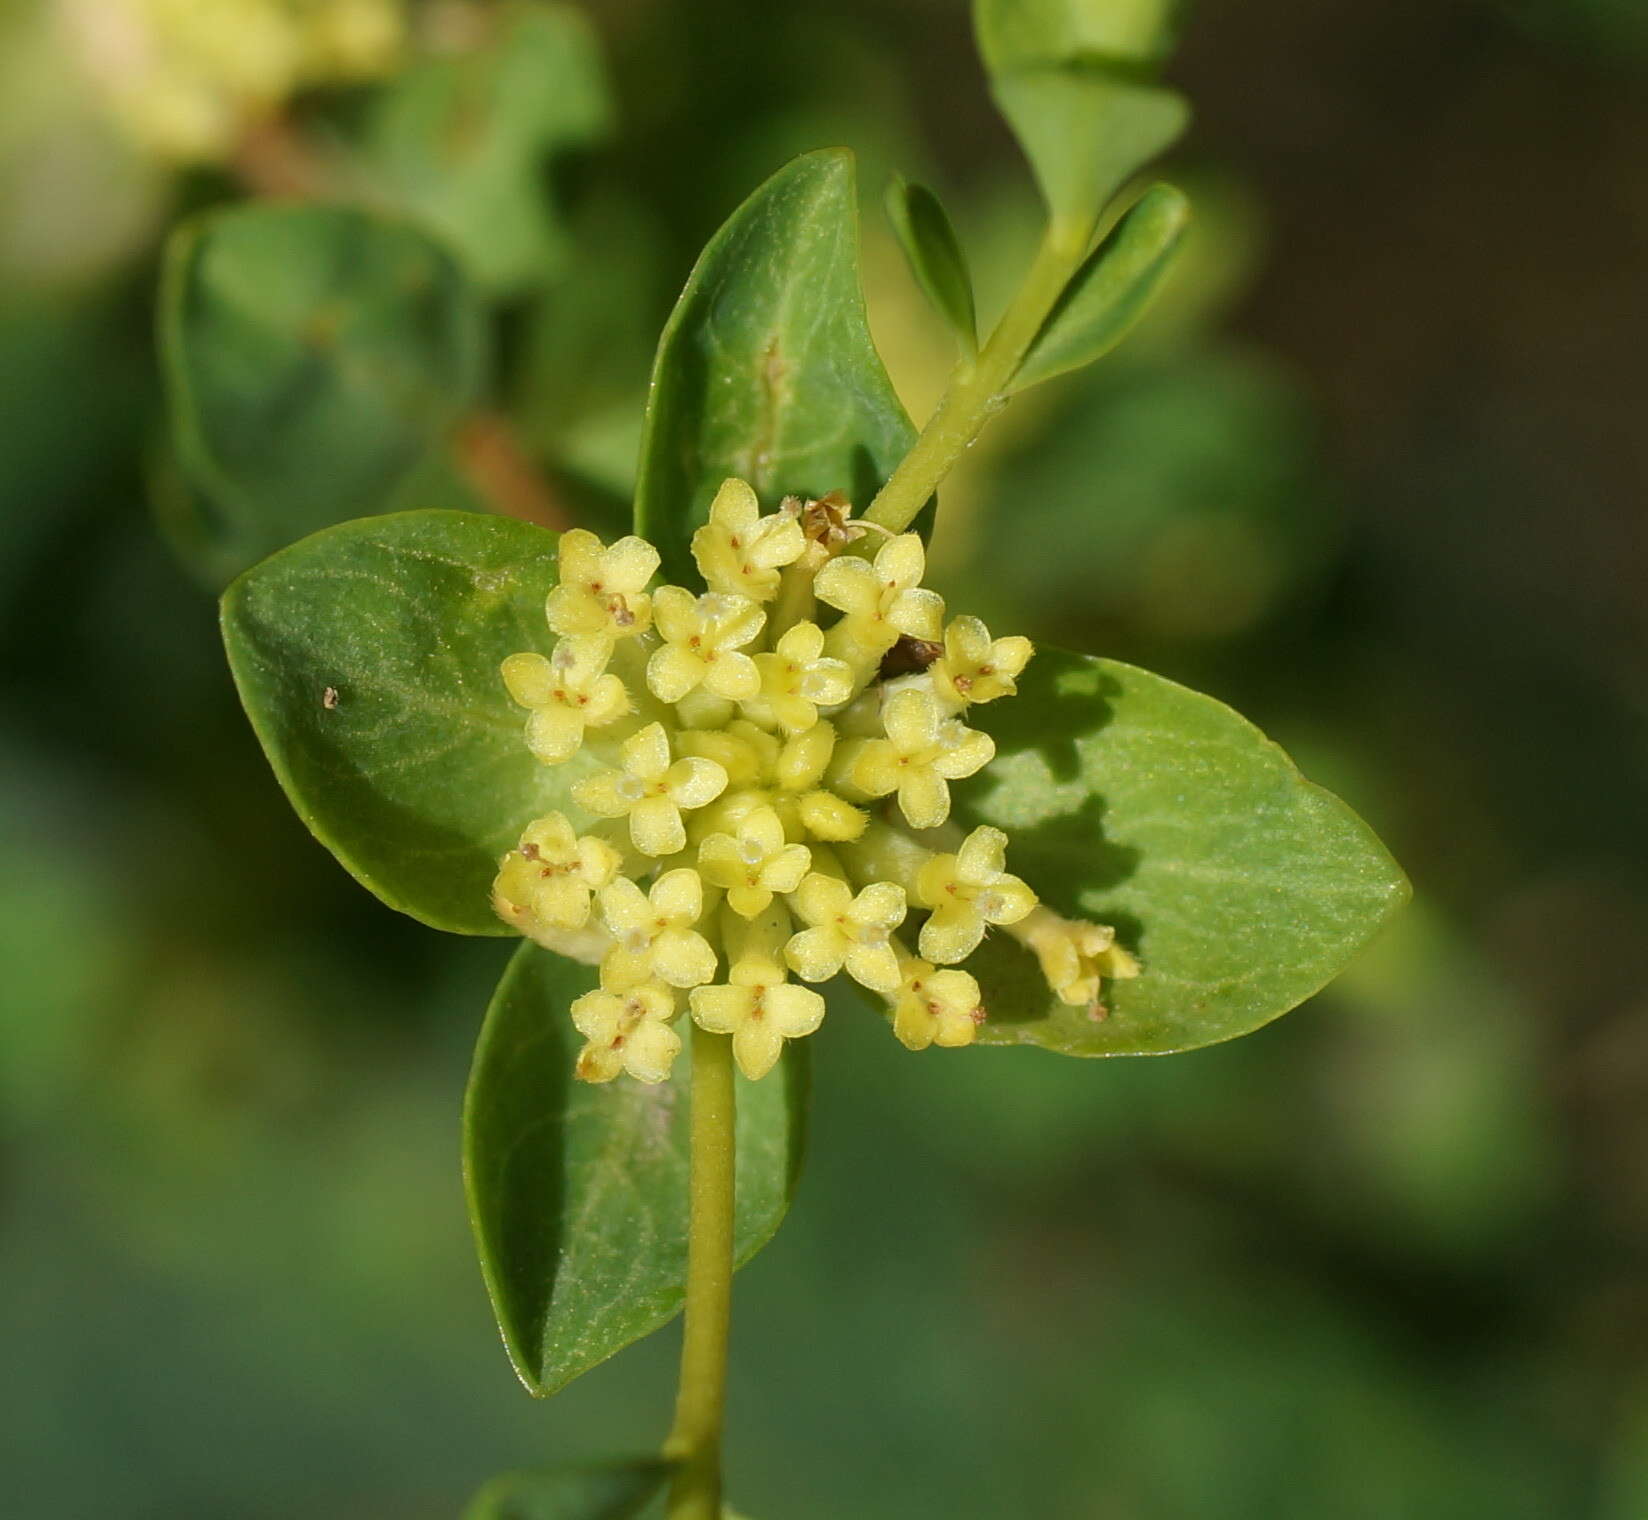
x: 1067, y: 856
x: 517, y: 1147
x: 1062, y: 700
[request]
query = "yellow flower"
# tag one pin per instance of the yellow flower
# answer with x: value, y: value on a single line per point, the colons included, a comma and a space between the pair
x: 758, y: 1006
x: 566, y: 694
x: 549, y: 878
x: 966, y: 891
x: 760, y: 1011
x: 881, y: 601
x: 848, y: 932
x: 1074, y: 954
x: 936, y: 1007
x: 753, y: 862
x: 653, y: 933
x: 976, y: 668
x: 796, y: 680
x: 922, y: 753
x: 703, y: 637
x: 602, y: 591
x: 740, y: 743
x: 627, y: 1031
x: 651, y: 792
x: 740, y: 551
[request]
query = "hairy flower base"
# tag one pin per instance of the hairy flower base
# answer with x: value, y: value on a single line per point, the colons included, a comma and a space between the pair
x: 763, y: 787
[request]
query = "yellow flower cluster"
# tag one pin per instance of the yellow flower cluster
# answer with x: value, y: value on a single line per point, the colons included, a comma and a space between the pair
x: 185, y: 77
x: 763, y: 801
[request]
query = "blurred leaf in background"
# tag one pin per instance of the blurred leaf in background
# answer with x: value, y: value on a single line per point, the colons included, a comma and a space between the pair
x: 1378, y: 487
x: 315, y: 358
x: 465, y: 138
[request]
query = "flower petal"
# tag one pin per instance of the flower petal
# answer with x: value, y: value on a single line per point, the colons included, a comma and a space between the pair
x: 599, y: 794
x: 794, y: 1011
x: 971, y: 752
x: 529, y: 679
x: 678, y: 896
x: 673, y: 671
x: 720, y: 1009
x: 554, y: 733
x: 881, y: 903
x: 650, y: 1050
x: 924, y: 798
x: 783, y: 871
x: 952, y: 933
x: 983, y: 855
x: 873, y: 966
x: 756, y: 1046
x: 647, y: 753
x: 815, y: 955
x: 917, y: 613
x: 735, y: 506
x: 901, y: 560
x: 910, y: 717
x: 683, y: 958
x: 731, y: 675
x: 821, y: 898
x: 849, y: 584
x: 628, y: 565
x: 655, y: 827
x: 695, y: 782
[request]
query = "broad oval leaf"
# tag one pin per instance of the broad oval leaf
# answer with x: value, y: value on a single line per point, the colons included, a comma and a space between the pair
x: 766, y: 369
x: 314, y: 358
x: 578, y: 1191
x: 591, y: 1491
x: 1241, y: 886
x: 1086, y: 130
x: 1112, y: 290
x: 367, y: 659
x: 935, y: 254
x: 461, y: 138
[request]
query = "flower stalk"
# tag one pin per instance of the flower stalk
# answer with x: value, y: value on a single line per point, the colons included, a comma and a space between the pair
x: 978, y: 387
x: 695, y: 1439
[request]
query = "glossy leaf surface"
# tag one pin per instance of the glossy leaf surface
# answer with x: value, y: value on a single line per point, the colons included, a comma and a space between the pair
x: 367, y: 658
x: 935, y: 254
x: 1241, y: 886
x: 461, y: 139
x: 766, y: 369
x: 314, y: 358
x: 597, y: 1491
x: 1112, y: 290
x: 1086, y: 131
x: 578, y: 1191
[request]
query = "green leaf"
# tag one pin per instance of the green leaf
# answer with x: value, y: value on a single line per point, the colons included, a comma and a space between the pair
x: 765, y: 369
x: 1112, y: 290
x: 367, y: 658
x: 935, y: 255
x: 578, y: 1191
x: 461, y: 140
x: 314, y: 357
x: 1086, y: 131
x: 595, y: 1491
x: 1130, y: 800
x: 1015, y: 33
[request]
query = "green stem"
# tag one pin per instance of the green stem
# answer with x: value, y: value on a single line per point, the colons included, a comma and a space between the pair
x: 695, y: 1440
x: 978, y: 389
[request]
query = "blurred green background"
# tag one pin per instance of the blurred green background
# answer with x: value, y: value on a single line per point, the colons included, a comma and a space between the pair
x: 1374, y: 472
